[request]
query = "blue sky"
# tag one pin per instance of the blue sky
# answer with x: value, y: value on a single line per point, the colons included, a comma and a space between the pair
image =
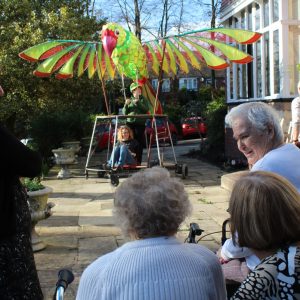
x: 195, y: 16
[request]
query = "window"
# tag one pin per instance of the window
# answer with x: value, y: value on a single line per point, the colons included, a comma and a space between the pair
x: 243, y: 19
x: 267, y: 63
x: 258, y: 69
x: 165, y: 85
x: 257, y: 17
x: 250, y: 71
x: 266, y: 13
x: 154, y: 84
x: 276, y: 62
x: 275, y: 10
x: 250, y: 18
x: 188, y: 83
x: 244, y: 76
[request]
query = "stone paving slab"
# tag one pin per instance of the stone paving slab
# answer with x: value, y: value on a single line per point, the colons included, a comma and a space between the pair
x: 82, y: 226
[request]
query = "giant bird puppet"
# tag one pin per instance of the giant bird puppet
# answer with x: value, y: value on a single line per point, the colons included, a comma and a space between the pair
x: 120, y: 50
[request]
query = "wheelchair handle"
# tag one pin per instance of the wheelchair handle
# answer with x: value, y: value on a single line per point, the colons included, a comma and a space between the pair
x: 65, y: 277
x: 194, y: 230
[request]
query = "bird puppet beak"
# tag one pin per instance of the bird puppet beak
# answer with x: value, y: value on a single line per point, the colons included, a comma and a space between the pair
x: 109, y: 41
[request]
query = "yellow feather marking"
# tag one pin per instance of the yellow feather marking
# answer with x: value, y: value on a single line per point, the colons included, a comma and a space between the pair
x: 210, y: 58
x: 109, y: 68
x: 165, y: 66
x: 232, y: 53
x: 172, y: 58
x: 181, y: 60
x: 193, y: 60
x: 155, y: 63
x: 82, y: 60
x: 91, y: 67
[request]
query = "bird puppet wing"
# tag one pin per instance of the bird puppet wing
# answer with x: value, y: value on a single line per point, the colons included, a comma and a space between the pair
x: 120, y: 50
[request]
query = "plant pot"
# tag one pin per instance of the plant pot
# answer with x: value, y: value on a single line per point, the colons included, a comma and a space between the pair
x: 75, y: 145
x: 64, y: 157
x: 40, y: 209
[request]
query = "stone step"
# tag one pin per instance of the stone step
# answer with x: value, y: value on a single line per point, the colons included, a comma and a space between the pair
x: 228, y: 180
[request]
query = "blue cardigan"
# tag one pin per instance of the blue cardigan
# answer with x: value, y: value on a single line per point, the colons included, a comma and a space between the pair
x: 154, y: 269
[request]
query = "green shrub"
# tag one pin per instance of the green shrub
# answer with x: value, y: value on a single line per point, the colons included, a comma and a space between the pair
x: 215, y: 115
x: 49, y: 130
x: 32, y: 185
x: 214, y: 146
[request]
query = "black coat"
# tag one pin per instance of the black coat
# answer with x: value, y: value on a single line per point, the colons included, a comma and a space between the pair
x: 18, y: 274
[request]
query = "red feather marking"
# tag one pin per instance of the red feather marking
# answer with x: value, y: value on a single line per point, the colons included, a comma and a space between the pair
x: 148, y: 54
x: 157, y: 53
x: 95, y: 62
x: 63, y: 76
x: 62, y: 61
x: 86, y: 61
x: 53, y: 51
x: 103, y: 64
x: 142, y: 81
x: 108, y: 32
x: 41, y: 74
x: 158, y: 110
x: 198, y: 55
x: 220, y: 67
x: 245, y: 60
x: 26, y: 57
x: 255, y: 37
x: 77, y: 61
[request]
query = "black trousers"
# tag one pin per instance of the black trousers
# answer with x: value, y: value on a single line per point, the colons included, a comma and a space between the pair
x: 139, y: 135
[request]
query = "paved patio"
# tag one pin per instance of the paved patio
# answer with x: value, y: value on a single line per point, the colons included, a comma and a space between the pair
x: 82, y: 226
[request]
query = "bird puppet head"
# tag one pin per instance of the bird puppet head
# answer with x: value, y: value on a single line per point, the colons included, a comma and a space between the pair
x: 112, y: 35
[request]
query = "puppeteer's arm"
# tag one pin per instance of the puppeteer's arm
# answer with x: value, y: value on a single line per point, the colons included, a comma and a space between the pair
x: 125, y: 109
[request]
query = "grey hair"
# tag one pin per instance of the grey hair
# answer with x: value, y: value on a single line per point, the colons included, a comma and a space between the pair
x: 260, y: 115
x: 151, y: 203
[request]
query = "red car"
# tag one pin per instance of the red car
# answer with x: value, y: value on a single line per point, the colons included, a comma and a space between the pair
x: 102, y: 135
x: 193, y: 127
x: 162, y: 131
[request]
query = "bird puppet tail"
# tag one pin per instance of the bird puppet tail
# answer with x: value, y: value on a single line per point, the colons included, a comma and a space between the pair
x: 149, y: 93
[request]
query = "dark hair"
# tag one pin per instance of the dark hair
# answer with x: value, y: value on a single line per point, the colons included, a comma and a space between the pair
x: 265, y: 211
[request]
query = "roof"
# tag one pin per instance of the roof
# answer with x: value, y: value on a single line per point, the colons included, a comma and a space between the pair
x: 226, y: 3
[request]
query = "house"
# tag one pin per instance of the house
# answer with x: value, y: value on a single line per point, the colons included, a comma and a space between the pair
x: 273, y: 74
x: 192, y: 81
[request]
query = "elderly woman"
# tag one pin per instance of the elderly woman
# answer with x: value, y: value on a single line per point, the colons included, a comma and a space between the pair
x: 149, y: 207
x: 125, y: 150
x: 265, y: 212
x: 259, y: 137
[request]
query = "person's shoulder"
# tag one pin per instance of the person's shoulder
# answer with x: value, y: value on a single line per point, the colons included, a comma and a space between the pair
x: 296, y: 101
x: 201, y: 251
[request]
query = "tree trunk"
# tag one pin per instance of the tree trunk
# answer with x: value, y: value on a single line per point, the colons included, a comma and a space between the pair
x: 137, y: 20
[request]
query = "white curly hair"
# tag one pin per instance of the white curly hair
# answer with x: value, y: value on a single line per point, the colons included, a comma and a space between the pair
x: 151, y: 203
